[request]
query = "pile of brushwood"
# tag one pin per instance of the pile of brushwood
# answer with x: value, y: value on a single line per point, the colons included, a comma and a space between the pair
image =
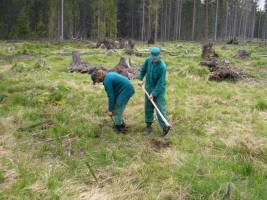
x: 219, y: 70
x: 233, y: 41
x: 124, y: 66
x: 128, y: 45
x: 115, y: 44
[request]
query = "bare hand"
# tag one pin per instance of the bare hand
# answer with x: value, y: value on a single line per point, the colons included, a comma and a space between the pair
x: 150, y: 97
x: 110, y: 114
x: 140, y: 83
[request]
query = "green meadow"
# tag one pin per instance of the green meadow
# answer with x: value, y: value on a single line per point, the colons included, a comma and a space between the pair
x: 56, y: 141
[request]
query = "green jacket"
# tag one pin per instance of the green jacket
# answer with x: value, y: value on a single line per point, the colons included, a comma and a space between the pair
x: 155, y: 76
x: 118, y: 89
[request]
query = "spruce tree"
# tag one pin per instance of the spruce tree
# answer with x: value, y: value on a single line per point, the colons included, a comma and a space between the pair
x: 22, y: 28
x: 111, y: 19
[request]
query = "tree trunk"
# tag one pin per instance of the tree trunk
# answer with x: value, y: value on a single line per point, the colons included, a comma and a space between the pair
x: 259, y: 26
x: 143, y: 21
x: 156, y: 26
x: 207, y: 21
x: 180, y: 19
x: 216, y: 20
x: 235, y: 22
x: 62, y: 20
x: 149, y: 35
x: 165, y: 20
x: 226, y: 23
x: 176, y: 19
x: 194, y: 20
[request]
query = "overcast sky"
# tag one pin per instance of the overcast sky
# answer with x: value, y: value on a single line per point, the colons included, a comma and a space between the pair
x: 261, y: 4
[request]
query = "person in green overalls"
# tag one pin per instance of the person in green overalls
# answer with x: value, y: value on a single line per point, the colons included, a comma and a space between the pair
x: 154, y: 69
x: 119, y: 90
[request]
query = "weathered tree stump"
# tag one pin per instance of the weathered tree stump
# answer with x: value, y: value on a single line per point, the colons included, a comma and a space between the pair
x: 124, y: 67
x: 79, y: 66
x: 218, y: 71
x: 208, y: 52
x: 242, y: 54
x: 76, y: 58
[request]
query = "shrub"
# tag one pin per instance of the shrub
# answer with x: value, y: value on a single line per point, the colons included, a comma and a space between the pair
x: 261, y: 104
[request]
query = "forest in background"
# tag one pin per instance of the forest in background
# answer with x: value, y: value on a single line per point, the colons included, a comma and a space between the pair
x: 136, y: 19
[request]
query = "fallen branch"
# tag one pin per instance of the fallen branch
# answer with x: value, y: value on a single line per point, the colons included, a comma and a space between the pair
x: 91, y: 171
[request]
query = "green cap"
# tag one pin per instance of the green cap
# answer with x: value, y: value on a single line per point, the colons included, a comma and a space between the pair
x: 94, y: 76
x: 155, y: 52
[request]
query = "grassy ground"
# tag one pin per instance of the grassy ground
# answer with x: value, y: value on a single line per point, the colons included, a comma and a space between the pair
x: 50, y: 120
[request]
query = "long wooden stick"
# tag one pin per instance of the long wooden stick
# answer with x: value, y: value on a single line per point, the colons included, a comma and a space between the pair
x: 155, y: 106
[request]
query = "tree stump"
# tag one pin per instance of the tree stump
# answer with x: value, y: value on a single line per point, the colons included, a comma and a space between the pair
x: 79, y: 66
x: 242, y: 54
x: 76, y: 58
x: 208, y: 52
x: 124, y: 68
x: 218, y: 71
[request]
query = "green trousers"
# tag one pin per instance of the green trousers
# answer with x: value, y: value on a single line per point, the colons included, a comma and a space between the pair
x: 119, y: 108
x: 149, y: 110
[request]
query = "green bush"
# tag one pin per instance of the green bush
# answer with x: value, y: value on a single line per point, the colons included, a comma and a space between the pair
x: 261, y: 104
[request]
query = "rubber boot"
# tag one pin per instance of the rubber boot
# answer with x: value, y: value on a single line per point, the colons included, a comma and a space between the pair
x: 148, y: 129
x: 124, y: 126
x: 119, y: 129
